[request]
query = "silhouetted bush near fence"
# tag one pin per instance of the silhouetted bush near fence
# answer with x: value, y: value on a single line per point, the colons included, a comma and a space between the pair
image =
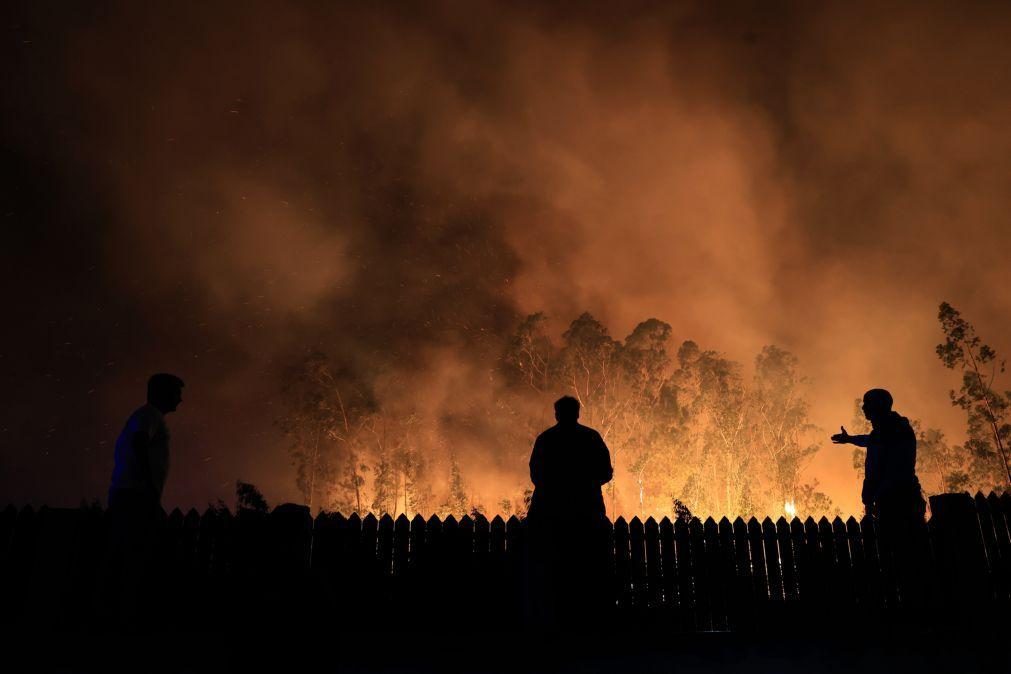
x: 224, y: 570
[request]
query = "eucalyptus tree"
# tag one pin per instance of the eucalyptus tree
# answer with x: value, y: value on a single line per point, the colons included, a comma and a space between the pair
x: 986, y: 409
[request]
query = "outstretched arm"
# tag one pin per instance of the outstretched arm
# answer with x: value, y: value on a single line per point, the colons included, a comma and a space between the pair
x: 845, y: 438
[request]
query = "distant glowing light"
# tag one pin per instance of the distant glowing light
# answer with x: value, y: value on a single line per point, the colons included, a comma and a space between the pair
x: 790, y: 509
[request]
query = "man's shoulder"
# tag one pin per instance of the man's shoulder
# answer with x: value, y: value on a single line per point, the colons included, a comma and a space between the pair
x: 547, y: 433
x: 147, y: 417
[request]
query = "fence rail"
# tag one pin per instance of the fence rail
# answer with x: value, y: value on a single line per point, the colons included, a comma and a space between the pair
x: 381, y: 572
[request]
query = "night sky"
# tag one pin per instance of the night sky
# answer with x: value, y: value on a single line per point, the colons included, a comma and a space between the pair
x: 211, y: 189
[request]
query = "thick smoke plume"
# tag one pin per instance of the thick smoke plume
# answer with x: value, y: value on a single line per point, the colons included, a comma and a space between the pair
x: 225, y: 188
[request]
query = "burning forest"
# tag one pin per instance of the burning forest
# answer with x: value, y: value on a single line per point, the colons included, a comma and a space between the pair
x: 689, y: 430
x: 377, y: 241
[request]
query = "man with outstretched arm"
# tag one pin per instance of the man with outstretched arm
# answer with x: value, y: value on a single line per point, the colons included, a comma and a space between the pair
x: 891, y: 491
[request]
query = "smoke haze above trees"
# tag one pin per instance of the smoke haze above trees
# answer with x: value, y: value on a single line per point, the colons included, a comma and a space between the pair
x: 682, y: 423
x: 221, y: 193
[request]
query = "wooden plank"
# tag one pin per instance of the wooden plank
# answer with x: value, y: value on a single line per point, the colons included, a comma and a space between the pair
x: 734, y: 588
x: 516, y: 551
x: 174, y: 537
x: 798, y: 541
x: 845, y: 592
x: 874, y: 575
x: 959, y: 550
x: 431, y: 557
x: 787, y: 564
x: 93, y: 564
x: 432, y: 575
x: 499, y: 590
x: 989, y: 537
x: 497, y: 538
x: 463, y: 552
x: 654, y: 565
x: 484, y: 606
x: 481, y: 541
x: 462, y: 595
x: 50, y: 572
x: 744, y: 586
x: 858, y: 565
x: 416, y: 549
x: 1002, y: 532
x: 189, y: 544
x: 384, y: 545
x: 812, y: 574
x: 206, y: 542
x: 335, y: 568
x: 7, y: 521
x: 715, y: 577
x: 448, y: 563
x: 637, y: 563
x: 370, y: 570
x: 622, y: 564
x: 827, y: 561
x: 700, y: 576
x: 324, y: 545
x: 760, y: 581
x: 773, y: 564
x: 401, y: 546
x: 21, y: 560
x: 465, y: 540
x: 352, y: 570
x: 668, y: 564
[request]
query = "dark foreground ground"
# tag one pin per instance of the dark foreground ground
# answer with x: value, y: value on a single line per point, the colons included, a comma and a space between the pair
x: 468, y: 648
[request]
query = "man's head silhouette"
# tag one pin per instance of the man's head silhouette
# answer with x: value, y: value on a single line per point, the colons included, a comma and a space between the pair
x: 566, y: 410
x: 877, y: 404
x: 165, y: 391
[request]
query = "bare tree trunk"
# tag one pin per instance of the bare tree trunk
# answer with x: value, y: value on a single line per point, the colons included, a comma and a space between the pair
x: 358, y: 493
x: 315, y: 461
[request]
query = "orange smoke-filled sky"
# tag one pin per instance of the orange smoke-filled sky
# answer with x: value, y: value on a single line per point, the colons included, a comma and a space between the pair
x: 212, y: 189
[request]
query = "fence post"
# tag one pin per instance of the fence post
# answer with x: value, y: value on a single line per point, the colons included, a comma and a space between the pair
x: 1001, y: 570
x: 637, y: 563
x: 668, y: 561
x: 962, y: 567
x: 700, y: 575
x: 622, y: 572
x: 654, y: 575
x: 715, y: 575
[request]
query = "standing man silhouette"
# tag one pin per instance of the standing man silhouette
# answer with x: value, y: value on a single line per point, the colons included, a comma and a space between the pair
x: 138, y: 479
x: 567, y: 521
x: 142, y: 449
x: 891, y: 490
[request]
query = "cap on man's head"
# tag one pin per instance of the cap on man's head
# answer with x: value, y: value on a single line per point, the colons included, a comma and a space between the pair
x: 567, y: 408
x: 879, y: 397
x: 160, y: 384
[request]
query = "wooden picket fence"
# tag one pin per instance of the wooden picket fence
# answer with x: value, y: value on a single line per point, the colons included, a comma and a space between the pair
x: 690, y: 576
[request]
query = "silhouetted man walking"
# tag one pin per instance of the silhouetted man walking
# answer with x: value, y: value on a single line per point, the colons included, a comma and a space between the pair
x: 567, y: 521
x: 138, y: 479
x: 891, y: 490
